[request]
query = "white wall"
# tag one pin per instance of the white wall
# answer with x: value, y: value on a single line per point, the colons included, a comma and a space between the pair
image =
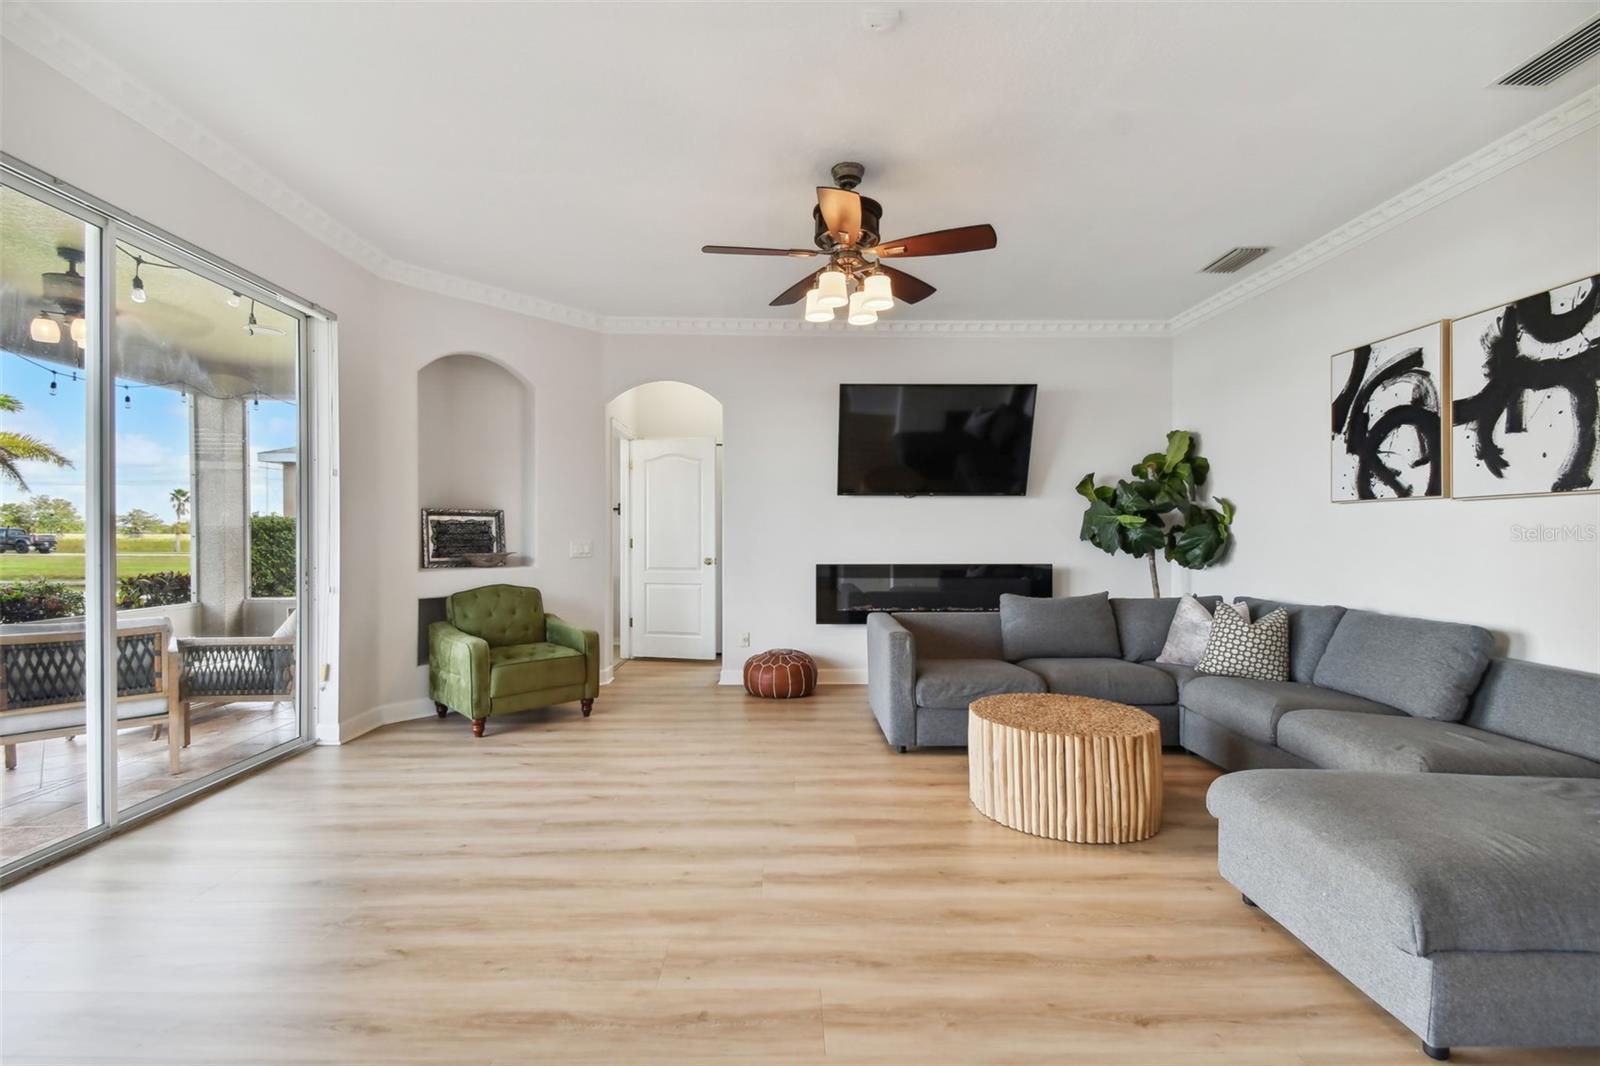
x: 475, y: 442
x: 1254, y: 381
x: 1102, y: 404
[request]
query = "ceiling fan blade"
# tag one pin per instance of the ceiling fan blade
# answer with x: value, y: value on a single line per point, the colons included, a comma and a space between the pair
x: 907, y: 289
x: 939, y: 242
x: 796, y: 292
x: 734, y: 249
x: 841, y: 210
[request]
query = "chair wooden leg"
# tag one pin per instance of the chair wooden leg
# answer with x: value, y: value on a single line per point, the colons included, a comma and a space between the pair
x: 588, y: 705
x: 186, y: 717
x: 175, y: 733
x: 11, y: 756
x: 155, y: 731
x: 440, y: 709
x: 477, y: 726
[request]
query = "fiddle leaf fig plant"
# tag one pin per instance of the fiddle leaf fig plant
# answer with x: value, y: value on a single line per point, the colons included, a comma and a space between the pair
x: 1158, y: 509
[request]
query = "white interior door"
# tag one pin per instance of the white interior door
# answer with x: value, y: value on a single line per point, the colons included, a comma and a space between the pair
x: 672, y: 543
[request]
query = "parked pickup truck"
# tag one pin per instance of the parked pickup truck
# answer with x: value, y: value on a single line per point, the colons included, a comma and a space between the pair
x: 17, y: 539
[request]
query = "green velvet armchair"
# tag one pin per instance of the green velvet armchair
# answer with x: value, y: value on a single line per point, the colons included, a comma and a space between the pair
x: 499, y: 652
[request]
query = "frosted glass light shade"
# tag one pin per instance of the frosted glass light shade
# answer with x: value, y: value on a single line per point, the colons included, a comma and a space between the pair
x: 860, y: 314
x: 815, y: 312
x: 879, y: 296
x: 831, y: 290
x: 79, y: 332
x: 45, y: 330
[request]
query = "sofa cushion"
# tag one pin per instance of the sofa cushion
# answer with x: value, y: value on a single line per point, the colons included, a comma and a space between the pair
x: 953, y: 634
x: 1253, y: 708
x: 1059, y: 627
x: 1177, y: 671
x: 1542, y: 705
x: 955, y: 683
x: 1105, y: 679
x: 1310, y: 627
x: 499, y: 614
x: 1238, y: 648
x: 1345, y: 740
x: 1430, y: 862
x: 519, y: 668
x: 1143, y: 623
x: 1424, y: 668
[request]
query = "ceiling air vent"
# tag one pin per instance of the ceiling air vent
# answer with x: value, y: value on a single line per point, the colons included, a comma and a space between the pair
x: 1559, y: 58
x: 1231, y: 262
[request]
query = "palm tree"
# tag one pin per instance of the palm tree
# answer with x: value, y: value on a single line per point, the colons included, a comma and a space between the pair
x: 21, y: 448
x: 180, y: 510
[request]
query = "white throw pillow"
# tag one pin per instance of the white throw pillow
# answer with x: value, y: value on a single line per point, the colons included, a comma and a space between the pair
x: 1191, y: 630
x: 286, y: 628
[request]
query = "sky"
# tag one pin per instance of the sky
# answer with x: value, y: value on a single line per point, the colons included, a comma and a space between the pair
x: 152, y: 441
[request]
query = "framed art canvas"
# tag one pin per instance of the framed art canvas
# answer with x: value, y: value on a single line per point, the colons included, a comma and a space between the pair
x: 449, y: 535
x: 1386, y: 440
x: 1525, y: 395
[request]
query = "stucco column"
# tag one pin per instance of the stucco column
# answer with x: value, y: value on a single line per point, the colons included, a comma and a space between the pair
x: 219, y: 514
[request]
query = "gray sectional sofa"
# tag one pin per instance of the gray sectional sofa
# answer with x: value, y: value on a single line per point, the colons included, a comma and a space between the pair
x: 1445, y: 859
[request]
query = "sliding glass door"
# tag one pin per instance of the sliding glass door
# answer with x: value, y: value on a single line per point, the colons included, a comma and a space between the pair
x: 155, y: 543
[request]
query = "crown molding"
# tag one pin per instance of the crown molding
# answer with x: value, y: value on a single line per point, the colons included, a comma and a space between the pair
x: 27, y: 25
x: 1578, y: 114
x: 795, y: 327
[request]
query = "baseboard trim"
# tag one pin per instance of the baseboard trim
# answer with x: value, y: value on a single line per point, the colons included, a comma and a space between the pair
x: 608, y: 675
x: 373, y: 718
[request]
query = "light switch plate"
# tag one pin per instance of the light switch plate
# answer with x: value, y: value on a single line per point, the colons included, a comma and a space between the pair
x: 581, y: 549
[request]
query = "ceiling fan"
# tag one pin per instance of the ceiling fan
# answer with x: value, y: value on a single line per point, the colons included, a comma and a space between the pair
x: 857, y: 275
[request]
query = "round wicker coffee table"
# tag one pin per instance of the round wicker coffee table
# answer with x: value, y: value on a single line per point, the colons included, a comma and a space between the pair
x: 1065, y: 767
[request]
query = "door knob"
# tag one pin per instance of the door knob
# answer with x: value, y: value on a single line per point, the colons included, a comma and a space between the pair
x: 711, y: 561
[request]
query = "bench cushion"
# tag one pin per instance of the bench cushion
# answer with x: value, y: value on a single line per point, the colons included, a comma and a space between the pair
x: 1310, y: 628
x: 1428, y: 862
x: 1252, y: 708
x: 1542, y: 705
x: 1427, y: 669
x: 1343, y: 740
x: 955, y: 683
x: 1060, y: 627
x: 1106, y: 679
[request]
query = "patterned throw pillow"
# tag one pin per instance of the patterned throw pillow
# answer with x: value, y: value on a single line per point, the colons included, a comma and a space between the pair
x: 1258, y: 650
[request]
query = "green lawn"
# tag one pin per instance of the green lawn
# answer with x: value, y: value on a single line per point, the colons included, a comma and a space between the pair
x: 61, y: 566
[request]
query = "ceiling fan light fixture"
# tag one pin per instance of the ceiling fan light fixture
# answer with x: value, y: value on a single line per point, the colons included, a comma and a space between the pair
x: 815, y: 312
x: 831, y: 290
x: 80, y: 332
x: 45, y: 330
x: 860, y: 314
x: 879, y: 295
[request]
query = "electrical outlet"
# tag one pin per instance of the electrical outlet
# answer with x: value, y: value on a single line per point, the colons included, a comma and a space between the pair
x: 744, y: 640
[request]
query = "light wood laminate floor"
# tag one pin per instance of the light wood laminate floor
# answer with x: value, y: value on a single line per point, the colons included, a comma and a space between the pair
x: 691, y: 874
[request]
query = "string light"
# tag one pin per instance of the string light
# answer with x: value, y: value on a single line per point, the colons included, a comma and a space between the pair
x: 52, y: 382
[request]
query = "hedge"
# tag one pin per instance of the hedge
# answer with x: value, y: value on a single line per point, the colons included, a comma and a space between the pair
x: 272, y: 552
x: 159, y: 589
x: 38, y: 601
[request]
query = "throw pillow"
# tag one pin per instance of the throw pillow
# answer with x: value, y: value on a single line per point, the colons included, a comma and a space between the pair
x: 1065, y: 627
x: 1258, y: 650
x: 1191, y: 628
x: 286, y: 627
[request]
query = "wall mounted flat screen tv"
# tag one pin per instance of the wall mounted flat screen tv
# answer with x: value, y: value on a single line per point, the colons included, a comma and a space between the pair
x: 935, y: 440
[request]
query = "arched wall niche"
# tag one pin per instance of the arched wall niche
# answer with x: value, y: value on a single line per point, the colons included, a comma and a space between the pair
x: 475, y: 442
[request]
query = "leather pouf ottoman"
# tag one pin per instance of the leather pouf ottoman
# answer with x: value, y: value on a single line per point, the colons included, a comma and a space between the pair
x: 780, y: 674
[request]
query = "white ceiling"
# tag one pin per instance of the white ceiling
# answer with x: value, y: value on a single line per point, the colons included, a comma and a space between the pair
x: 582, y: 153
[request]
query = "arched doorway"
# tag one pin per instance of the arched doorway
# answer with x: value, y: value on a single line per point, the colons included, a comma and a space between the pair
x: 664, y: 441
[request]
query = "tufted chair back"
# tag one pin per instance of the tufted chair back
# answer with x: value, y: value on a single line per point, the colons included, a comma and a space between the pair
x: 500, y: 614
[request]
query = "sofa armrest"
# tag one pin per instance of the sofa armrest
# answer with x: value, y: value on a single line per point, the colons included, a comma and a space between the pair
x: 458, y: 670
x: 564, y: 633
x: 892, y: 678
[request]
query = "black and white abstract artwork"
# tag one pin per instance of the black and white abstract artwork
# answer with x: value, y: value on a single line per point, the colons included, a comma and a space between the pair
x: 1525, y: 395
x: 1387, y: 435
